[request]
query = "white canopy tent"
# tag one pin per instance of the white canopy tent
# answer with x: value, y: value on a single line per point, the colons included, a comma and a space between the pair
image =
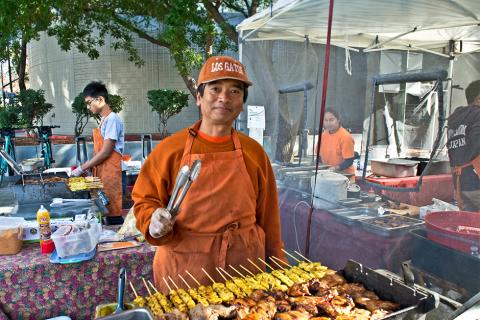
x: 444, y: 28
x: 371, y: 24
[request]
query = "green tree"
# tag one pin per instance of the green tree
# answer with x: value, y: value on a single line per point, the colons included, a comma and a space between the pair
x: 20, y: 22
x: 82, y: 114
x: 167, y: 103
x: 33, y: 107
x: 190, y: 29
x: 9, y: 116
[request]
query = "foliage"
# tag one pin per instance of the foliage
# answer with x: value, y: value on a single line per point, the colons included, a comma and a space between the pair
x: 190, y: 29
x: 167, y: 103
x: 20, y: 22
x: 9, y: 116
x: 82, y: 114
x: 33, y: 107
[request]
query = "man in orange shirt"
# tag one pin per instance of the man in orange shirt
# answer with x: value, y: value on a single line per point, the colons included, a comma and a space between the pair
x: 337, y: 145
x: 231, y: 212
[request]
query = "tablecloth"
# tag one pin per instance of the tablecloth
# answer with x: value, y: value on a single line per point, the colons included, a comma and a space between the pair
x: 33, y: 288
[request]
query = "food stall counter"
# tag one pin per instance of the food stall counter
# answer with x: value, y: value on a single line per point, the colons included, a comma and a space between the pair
x: 34, y: 288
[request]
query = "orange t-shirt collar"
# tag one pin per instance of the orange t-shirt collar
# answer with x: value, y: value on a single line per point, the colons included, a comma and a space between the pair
x: 214, y: 139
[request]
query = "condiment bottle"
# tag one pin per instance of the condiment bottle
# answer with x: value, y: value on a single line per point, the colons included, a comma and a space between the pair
x: 45, y: 230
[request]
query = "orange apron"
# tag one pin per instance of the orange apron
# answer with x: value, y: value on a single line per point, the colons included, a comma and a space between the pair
x: 110, y: 172
x: 457, y: 172
x: 216, y: 226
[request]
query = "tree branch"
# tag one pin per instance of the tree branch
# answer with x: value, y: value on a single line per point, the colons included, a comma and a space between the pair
x: 142, y: 34
x: 213, y: 11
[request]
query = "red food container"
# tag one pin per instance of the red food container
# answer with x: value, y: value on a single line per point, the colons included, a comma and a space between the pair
x: 455, y: 229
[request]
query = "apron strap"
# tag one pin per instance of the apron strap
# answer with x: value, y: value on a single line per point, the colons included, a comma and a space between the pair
x: 193, y: 132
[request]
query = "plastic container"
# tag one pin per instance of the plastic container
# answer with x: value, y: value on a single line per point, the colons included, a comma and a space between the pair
x: 69, y: 243
x: 455, y: 229
x: 11, y: 234
x: 104, y: 310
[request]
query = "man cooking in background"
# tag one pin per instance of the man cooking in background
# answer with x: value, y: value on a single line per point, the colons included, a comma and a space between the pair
x: 463, y: 143
x: 108, y: 144
x: 337, y: 147
x: 231, y: 211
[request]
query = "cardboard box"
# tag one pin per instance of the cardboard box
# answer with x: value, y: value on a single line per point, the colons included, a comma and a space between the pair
x: 30, y: 228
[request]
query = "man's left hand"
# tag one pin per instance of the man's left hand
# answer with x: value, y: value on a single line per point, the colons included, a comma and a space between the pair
x: 77, y: 172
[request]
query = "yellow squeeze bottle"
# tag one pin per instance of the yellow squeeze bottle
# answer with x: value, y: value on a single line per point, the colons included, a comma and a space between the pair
x: 45, y: 230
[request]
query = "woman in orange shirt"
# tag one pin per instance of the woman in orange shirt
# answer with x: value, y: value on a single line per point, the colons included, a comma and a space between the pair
x: 337, y: 144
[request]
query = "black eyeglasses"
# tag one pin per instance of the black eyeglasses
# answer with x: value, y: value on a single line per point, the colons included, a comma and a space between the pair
x: 89, y: 102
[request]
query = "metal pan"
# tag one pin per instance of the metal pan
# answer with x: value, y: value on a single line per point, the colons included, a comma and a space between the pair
x: 413, y: 302
x: 399, y: 224
x: 353, y: 215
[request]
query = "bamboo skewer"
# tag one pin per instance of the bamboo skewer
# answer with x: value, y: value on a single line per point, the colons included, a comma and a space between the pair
x: 151, y: 284
x: 193, y: 278
x: 225, y: 271
x: 148, y: 289
x: 174, y: 284
x: 133, y: 289
x: 258, y: 268
x: 238, y: 272
x: 277, y: 264
x: 280, y: 260
x: 221, y: 274
x: 248, y: 271
x: 266, y: 263
x: 184, y: 281
x: 166, y: 283
x: 301, y: 256
x: 290, y: 255
x: 209, y: 277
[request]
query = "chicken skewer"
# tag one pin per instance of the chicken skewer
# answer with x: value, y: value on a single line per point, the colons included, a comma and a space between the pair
x: 251, y: 281
x: 194, y: 293
x: 279, y: 274
x: 297, y: 270
x: 183, y: 295
x: 251, y: 278
x: 206, y: 291
x: 222, y: 291
x: 138, y: 301
x: 162, y: 299
x: 268, y: 278
x: 236, y: 285
x: 176, y: 300
x: 152, y: 302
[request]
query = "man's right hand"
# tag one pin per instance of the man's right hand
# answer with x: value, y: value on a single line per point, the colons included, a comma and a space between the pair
x: 161, y: 223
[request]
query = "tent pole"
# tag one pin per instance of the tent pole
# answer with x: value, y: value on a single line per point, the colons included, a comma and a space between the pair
x: 243, y: 115
x: 320, y: 127
x: 367, y: 49
x: 451, y: 50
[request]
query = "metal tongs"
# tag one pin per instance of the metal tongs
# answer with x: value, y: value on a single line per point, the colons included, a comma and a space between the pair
x: 183, y: 182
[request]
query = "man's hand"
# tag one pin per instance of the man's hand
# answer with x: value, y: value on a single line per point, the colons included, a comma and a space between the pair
x: 161, y: 223
x: 77, y: 172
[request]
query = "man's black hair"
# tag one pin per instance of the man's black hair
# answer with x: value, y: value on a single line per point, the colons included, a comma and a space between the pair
x: 201, y: 90
x: 472, y: 91
x: 96, y: 89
